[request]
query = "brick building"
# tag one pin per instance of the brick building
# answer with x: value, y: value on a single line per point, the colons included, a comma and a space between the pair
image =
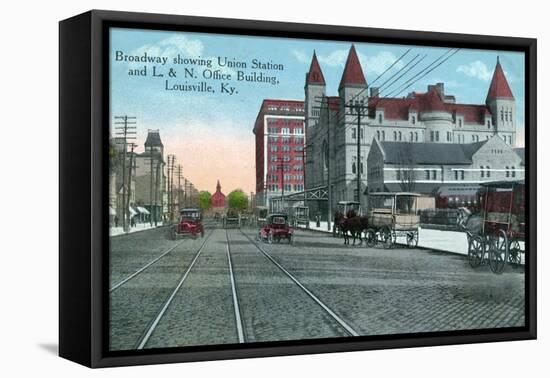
x: 280, y: 141
x: 434, y: 116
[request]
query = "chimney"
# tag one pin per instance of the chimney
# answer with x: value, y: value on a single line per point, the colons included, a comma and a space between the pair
x: 440, y: 88
x: 374, y: 91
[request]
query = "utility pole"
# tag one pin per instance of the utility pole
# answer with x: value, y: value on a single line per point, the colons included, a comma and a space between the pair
x: 152, y: 210
x: 124, y: 131
x: 157, y: 191
x: 131, y: 169
x: 185, y: 193
x: 170, y: 169
x: 358, y: 108
x: 179, y: 185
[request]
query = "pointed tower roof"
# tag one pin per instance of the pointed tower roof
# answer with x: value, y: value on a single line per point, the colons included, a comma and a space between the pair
x: 499, y: 87
x: 315, y: 75
x: 353, y: 73
x: 218, y: 187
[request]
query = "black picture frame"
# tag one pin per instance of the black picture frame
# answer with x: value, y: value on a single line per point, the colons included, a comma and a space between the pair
x: 83, y: 159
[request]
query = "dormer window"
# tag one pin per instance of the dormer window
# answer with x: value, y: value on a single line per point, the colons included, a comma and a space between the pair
x: 380, y: 118
x: 413, y: 120
x: 460, y: 122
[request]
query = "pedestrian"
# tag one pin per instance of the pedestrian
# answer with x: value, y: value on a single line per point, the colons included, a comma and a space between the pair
x: 116, y: 221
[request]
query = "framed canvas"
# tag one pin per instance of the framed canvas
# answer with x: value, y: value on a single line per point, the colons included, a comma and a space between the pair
x: 235, y: 188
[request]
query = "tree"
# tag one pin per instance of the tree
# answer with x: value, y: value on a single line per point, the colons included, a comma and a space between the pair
x: 237, y: 200
x: 204, y: 199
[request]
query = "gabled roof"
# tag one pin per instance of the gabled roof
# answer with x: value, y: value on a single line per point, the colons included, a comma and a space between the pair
x: 429, y: 153
x: 315, y: 74
x: 353, y: 73
x: 499, y: 87
x: 398, y: 108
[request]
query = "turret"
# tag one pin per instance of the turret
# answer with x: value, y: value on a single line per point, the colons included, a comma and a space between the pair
x: 502, y: 104
x: 315, y: 89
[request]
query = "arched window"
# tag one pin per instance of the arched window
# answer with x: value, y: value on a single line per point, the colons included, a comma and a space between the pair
x: 378, y: 134
x: 411, y: 137
x: 416, y: 136
x: 395, y: 135
x: 380, y: 118
x: 353, y: 168
x: 488, y: 171
x: 413, y: 120
x: 481, y: 171
x: 513, y: 171
x: 400, y: 136
x: 383, y: 135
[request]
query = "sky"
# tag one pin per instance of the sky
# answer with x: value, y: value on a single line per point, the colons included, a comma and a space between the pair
x: 211, y: 133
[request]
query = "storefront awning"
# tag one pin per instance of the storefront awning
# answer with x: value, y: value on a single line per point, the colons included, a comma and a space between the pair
x: 143, y: 210
x: 132, y: 211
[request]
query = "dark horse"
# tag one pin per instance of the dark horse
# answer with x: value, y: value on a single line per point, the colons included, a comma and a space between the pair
x: 353, y: 223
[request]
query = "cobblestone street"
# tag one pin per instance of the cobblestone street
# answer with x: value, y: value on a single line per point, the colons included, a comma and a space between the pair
x: 168, y: 293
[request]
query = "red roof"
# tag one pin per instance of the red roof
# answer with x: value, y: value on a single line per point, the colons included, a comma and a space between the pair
x: 398, y: 108
x: 499, y: 85
x: 353, y: 73
x: 218, y: 198
x: 315, y: 75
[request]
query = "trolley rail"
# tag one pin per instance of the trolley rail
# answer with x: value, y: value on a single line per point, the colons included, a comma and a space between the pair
x: 349, y: 329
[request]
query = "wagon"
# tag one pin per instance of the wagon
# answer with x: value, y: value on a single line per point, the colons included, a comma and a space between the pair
x: 300, y: 216
x: 501, y: 232
x: 275, y: 229
x: 392, y: 215
x: 189, y: 223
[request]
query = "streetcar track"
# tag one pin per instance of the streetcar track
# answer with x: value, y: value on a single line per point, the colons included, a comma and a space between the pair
x: 349, y: 329
x: 153, y: 325
x: 140, y: 270
x: 238, y: 318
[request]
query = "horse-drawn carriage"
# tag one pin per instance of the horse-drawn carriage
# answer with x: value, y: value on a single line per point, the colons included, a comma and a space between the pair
x: 390, y: 215
x: 344, y: 210
x: 496, y: 234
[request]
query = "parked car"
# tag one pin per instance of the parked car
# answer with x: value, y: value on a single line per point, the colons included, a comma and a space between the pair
x: 276, y: 227
x: 189, y: 223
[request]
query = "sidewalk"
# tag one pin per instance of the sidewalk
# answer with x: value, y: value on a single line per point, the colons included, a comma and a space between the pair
x: 114, y: 231
x: 443, y: 240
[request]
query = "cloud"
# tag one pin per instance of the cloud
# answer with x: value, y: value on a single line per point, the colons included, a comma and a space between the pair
x: 375, y: 64
x: 301, y: 56
x: 476, y: 69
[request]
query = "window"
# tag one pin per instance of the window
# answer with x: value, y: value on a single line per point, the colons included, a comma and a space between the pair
x: 378, y: 134
x: 437, y: 136
x: 395, y: 135
x: 416, y: 136
x: 513, y: 171
x: 506, y: 116
x: 398, y: 174
x: 488, y: 124
x: 456, y: 175
x: 427, y: 174
x: 413, y: 120
x: 361, y: 167
x: 353, y: 168
x: 481, y: 171
x: 399, y: 136
x: 507, y: 171
x: 510, y: 116
x: 449, y: 136
x: 462, y: 175
x: 380, y: 118
x: 362, y: 133
x: 383, y: 135
x: 411, y: 136
x: 353, y: 133
x: 432, y: 138
x: 502, y: 114
x: 434, y: 175
x: 460, y: 122
x: 488, y: 171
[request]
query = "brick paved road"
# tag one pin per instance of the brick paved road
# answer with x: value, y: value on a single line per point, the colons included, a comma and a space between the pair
x: 376, y: 291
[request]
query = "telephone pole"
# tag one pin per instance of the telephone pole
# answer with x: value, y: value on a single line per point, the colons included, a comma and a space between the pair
x: 125, y: 130
x: 129, y: 195
x: 358, y: 108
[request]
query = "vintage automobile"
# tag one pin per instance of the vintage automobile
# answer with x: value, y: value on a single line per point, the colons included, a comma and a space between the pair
x: 189, y: 223
x: 276, y: 227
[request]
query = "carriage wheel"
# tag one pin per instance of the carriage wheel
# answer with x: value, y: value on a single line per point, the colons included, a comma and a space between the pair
x: 386, y: 237
x: 370, y: 238
x: 412, y: 239
x: 498, y: 251
x: 514, y: 253
x: 476, y: 250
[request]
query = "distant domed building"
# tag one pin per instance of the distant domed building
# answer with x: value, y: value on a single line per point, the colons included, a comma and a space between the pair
x: 218, y: 199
